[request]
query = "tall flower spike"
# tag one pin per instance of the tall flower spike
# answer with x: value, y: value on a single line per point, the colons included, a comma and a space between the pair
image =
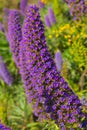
x: 14, y: 34
x: 30, y: 87
x: 47, y: 21
x: 58, y: 60
x: 3, y: 127
x: 23, y: 5
x: 51, y: 16
x: 78, y: 8
x: 4, y: 73
x: 48, y: 90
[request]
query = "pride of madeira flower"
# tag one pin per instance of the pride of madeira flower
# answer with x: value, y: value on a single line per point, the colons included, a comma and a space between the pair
x: 14, y: 34
x: 78, y: 8
x: 44, y: 86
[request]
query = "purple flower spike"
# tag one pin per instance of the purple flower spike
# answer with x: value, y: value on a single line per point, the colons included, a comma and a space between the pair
x: 41, y: 4
x: 14, y: 34
x: 58, y: 60
x: 51, y: 16
x: 4, y: 73
x: 78, y: 8
x: 3, y: 127
x: 44, y: 86
x: 23, y: 5
x: 47, y: 21
x: 29, y: 82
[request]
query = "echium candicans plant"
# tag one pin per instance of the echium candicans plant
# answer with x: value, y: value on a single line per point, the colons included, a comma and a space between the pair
x: 27, y: 77
x: 78, y: 8
x: 4, y: 73
x: 45, y: 86
x: 50, y: 18
x: 3, y: 127
x: 14, y: 34
x: 47, y: 21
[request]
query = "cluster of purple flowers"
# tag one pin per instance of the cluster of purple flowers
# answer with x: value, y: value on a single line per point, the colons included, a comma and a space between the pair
x: 4, y: 73
x: 3, y: 127
x: 50, y: 18
x: 14, y: 34
x: 30, y: 29
x: 49, y: 93
x: 78, y: 8
x: 44, y: 86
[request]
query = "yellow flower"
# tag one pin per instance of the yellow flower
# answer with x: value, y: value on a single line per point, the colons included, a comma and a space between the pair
x: 69, y: 41
x: 78, y: 36
x: 44, y: 1
x: 67, y: 26
x: 57, y: 35
x: 54, y: 31
x: 69, y: 36
x: 65, y: 36
x: 50, y: 36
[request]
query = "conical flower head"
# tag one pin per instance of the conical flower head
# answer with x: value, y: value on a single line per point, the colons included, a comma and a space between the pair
x: 31, y: 87
x: 49, y: 91
x: 78, y: 8
x: 51, y: 15
x: 47, y: 21
x: 14, y: 34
